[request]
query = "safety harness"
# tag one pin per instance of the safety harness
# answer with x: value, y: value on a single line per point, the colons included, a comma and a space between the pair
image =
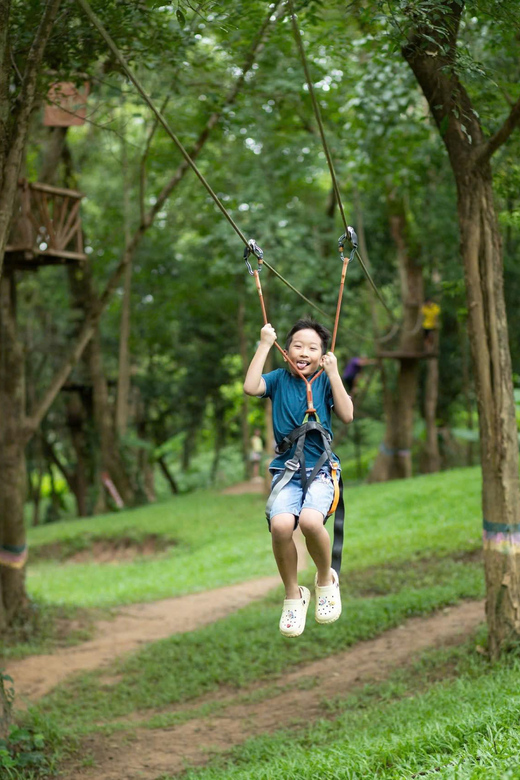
x: 296, y: 438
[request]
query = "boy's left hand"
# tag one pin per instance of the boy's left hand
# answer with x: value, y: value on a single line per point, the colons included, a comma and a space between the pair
x: 329, y: 363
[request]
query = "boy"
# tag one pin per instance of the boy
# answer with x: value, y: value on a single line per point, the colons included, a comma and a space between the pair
x: 306, y: 347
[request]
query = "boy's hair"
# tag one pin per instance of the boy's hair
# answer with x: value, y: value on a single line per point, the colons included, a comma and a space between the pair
x: 309, y: 324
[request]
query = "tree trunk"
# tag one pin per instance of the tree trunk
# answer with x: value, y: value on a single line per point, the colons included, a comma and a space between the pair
x: 466, y: 386
x: 487, y: 326
x: 14, y: 125
x: 394, y: 460
x: 77, y: 424
x: 436, y: 69
x: 431, y: 394
x: 220, y: 435
x: 111, y: 460
x: 81, y: 421
x: 145, y: 454
x: 12, y: 458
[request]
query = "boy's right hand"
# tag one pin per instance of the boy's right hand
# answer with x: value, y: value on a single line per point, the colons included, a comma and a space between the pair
x: 268, y: 335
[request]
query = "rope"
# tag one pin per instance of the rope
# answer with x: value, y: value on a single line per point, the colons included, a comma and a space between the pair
x: 317, y: 114
x: 131, y: 76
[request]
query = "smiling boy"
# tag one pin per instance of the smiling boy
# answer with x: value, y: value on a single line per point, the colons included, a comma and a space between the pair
x: 306, y: 347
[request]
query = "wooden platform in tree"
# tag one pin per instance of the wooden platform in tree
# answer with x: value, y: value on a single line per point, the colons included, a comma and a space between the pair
x: 396, y: 355
x: 46, y: 228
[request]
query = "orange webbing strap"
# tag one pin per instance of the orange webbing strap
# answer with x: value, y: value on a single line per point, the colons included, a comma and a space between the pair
x: 334, y: 466
x: 344, y: 267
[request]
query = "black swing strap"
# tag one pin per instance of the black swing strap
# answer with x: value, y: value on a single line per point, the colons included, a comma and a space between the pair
x: 339, y: 517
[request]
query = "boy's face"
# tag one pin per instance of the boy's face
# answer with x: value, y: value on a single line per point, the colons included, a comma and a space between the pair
x: 305, y: 351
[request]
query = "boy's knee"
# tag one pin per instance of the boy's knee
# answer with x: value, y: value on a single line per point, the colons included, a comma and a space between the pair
x: 282, y: 526
x: 311, y: 522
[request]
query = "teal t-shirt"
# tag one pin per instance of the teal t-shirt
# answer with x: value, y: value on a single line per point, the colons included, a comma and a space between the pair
x: 289, y: 397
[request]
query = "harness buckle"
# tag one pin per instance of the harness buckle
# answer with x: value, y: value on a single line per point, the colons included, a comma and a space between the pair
x: 292, y: 464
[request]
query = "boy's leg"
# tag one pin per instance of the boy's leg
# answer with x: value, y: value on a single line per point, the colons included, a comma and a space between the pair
x: 328, y: 596
x: 318, y: 543
x: 285, y: 553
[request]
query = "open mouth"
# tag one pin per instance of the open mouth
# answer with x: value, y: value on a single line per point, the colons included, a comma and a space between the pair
x: 302, y: 365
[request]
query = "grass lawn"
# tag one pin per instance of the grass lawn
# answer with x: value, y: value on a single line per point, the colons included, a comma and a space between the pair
x: 219, y: 540
x: 410, y: 548
x: 463, y: 728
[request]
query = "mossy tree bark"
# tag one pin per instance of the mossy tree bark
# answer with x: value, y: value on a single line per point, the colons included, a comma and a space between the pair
x: 12, y: 451
x: 432, y: 460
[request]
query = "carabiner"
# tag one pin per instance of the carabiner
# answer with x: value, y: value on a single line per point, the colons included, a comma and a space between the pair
x: 252, y: 248
x: 353, y: 239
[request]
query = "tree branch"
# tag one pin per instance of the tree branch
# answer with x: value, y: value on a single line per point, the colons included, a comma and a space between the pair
x: 485, y: 151
x: 254, y: 51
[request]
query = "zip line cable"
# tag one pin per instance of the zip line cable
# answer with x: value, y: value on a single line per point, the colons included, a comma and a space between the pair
x: 130, y: 75
x: 317, y: 114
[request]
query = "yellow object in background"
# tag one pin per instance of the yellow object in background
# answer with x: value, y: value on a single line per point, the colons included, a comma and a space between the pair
x: 430, y: 312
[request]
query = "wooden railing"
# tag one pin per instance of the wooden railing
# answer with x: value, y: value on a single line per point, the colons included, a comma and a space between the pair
x: 46, y: 227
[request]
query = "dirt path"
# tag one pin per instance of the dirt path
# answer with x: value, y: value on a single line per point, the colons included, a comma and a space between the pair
x: 135, y: 626
x: 254, y: 485
x: 150, y: 753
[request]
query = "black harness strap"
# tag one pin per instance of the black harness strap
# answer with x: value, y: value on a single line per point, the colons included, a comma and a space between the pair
x: 339, y: 517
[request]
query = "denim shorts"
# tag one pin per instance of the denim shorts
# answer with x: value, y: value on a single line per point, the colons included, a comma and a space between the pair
x: 290, y: 498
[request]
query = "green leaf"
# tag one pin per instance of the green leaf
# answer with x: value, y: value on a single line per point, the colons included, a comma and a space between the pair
x: 180, y: 18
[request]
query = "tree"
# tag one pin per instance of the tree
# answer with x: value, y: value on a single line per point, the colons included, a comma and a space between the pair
x: 432, y: 31
x: 19, y: 72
